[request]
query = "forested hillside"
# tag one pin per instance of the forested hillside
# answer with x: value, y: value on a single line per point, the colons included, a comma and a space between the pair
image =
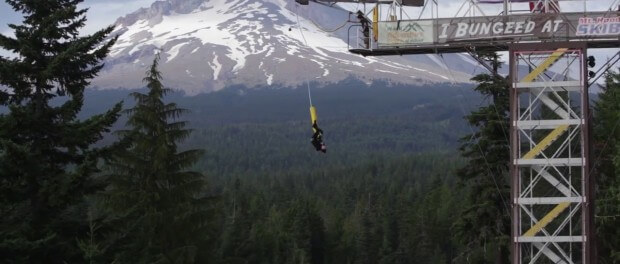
x: 267, y: 126
x: 411, y: 174
x: 382, y: 193
x: 384, y: 186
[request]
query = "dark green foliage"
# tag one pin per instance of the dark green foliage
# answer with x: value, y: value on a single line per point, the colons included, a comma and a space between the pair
x: 607, y: 167
x: 381, y: 210
x: 236, y: 241
x: 366, y: 240
x: 307, y: 233
x: 376, y: 205
x: 157, y: 208
x: 372, y: 199
x: 387, y: 192
x: 47, y: 160
x: 484, y: 225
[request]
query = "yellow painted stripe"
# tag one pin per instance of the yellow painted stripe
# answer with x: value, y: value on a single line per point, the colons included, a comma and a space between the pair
x: 375, y: 23
x: 546, y: 142
x: 545, y: 65
x: 549, y: 139
x: 546, y: 220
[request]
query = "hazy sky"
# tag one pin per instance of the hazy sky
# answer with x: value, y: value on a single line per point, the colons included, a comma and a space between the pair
x: 100, y: 14
x: 105, y: 12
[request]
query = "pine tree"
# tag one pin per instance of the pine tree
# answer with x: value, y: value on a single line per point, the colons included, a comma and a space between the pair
x: 235, y: 243
x: 47, y: 158
x: 159, y: 207
x: 607, y: 165
x: 367, y: 244
x: 308, y: 233
x: 484, y: 226
x: 390, y: 215
x: 272, y: 238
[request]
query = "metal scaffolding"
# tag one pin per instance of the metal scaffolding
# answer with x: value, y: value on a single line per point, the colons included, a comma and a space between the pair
x: 551, y: 211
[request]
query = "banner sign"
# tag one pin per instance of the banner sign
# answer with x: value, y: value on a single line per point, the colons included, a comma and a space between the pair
x: 406, y: 32
x: 513, y: 28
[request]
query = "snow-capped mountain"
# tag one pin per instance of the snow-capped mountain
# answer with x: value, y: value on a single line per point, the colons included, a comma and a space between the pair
x: 206, y: 45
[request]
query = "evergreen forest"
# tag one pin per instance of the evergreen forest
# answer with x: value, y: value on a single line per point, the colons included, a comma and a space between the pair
x: 411, y: 174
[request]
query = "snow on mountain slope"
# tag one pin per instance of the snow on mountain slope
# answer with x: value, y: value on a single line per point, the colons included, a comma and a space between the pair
x: 206, y: 45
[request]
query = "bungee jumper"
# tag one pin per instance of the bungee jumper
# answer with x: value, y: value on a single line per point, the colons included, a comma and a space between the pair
x: 317, y: 137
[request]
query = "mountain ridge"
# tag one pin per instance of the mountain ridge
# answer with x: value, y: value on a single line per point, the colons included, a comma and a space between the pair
x: 209, y: 45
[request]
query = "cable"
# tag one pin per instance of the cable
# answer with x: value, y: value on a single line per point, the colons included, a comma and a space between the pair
x: 305, y: 42
x: 494, y: 75
x: 332, y: 30
x: 594, y: 164
x: 490, y: 171
x: 447, y: 68
x: 299, y: 26
x: 329, y: 30
x: 309, y: 94
x: 504, y: 129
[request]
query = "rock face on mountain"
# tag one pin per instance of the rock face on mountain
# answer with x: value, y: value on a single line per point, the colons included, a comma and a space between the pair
x: 207, y: 45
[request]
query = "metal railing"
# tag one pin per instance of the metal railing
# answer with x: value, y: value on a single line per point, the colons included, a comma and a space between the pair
x: 357, y: 40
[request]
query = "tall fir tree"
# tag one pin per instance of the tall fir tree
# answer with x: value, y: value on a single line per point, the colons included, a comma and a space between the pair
x: 367, y: 243
x: 607, y: 166
x: 47, y: 158
x: 484, y: 225
x: 159, y: 208
x: 307, y: 232
x: 235, y: 246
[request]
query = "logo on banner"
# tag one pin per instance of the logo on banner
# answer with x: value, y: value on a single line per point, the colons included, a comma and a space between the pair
x: 405, y: 32
x: 600, y: 26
